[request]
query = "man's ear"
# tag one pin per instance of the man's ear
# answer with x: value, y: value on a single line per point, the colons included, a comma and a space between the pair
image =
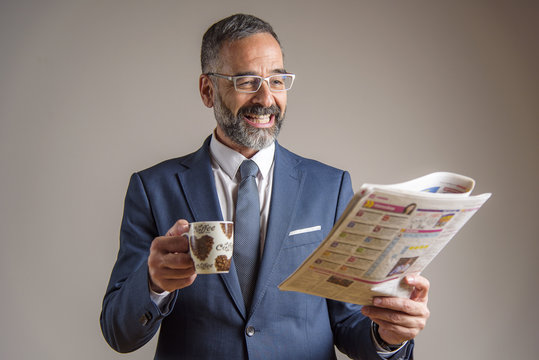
x: 205, y: 86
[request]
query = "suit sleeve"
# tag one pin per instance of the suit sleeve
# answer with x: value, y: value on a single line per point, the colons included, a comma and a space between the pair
x: 129, y: 319
x: 351, y: 329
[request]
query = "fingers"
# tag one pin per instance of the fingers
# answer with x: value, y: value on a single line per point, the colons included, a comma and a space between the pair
x: 401, y: 319
x: 176, y: 261
x: 397, y: 326
x: 421, y: 287
x: 169, y: 279
x: 170, y: 270
x: 170, y: 266
x: 409, y: 315
x: 171, y: 285
x: 170, y: 244
x: 403, y: 305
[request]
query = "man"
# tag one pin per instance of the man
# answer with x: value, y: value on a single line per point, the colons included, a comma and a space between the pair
x: 153, y: 283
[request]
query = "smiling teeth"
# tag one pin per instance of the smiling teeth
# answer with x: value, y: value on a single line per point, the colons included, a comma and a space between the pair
x: 260, y: 119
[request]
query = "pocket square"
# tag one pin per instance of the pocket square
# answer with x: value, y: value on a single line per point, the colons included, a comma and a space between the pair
x: 305, y: 230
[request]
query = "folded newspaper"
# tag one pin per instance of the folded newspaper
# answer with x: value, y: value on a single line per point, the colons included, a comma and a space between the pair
x: 385, y: 233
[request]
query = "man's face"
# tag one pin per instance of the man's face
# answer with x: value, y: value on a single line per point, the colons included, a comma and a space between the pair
x: 249, y: 120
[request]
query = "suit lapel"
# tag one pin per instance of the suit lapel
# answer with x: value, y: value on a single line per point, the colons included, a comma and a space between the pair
x: 287, y: 184
x: 198, y: 186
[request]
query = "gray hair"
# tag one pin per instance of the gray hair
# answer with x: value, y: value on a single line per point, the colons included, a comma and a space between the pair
x: 232, y: 28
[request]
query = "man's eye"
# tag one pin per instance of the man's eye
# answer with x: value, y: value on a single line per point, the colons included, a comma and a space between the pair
x: 247, y: 82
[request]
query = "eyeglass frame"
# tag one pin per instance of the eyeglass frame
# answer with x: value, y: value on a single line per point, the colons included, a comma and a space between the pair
x: 266, y: 79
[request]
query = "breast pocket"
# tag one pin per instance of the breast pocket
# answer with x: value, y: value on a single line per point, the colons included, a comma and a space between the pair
x: 304, y: 236
x: 296, y: 248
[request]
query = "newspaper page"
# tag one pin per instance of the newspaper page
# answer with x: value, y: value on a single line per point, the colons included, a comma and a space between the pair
x: 387, y: 232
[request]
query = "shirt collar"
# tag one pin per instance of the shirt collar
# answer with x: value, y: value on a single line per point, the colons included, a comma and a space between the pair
x: 230, y: 160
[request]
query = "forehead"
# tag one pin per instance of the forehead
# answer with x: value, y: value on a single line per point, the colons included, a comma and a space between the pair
x: 257, y: 54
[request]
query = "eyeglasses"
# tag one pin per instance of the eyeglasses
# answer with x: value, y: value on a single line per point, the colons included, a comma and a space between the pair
x: 252, y: 83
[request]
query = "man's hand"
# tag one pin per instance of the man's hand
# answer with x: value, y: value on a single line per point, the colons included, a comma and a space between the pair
x: 169, y: 263
x: 401, y: 319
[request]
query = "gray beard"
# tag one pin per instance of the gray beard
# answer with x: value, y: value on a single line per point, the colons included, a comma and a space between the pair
x: 240, y: 131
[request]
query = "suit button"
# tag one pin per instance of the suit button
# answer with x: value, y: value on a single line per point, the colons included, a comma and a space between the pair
x: 250, y: 331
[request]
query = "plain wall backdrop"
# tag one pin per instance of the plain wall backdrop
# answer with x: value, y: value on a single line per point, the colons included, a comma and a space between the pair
x: 91, y: 91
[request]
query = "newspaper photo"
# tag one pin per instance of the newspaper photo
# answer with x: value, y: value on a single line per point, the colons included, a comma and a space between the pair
x: 385, y: 233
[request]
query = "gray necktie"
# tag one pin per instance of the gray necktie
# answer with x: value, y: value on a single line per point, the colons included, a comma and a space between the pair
x: 247, y: 230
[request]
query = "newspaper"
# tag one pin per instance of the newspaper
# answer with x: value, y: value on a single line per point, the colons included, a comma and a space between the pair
x: 385, y: 233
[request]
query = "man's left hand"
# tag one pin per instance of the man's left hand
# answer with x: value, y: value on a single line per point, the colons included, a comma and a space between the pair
x: 401, y: 319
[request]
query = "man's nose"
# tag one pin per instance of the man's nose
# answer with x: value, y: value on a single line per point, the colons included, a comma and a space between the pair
x: 264, y: 96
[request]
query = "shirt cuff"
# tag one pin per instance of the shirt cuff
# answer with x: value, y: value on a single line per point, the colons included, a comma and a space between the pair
x: 162, y: 300
x: 383, y: 352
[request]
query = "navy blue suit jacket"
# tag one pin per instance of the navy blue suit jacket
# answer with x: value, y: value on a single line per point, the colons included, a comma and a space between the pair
x: 208, y: 319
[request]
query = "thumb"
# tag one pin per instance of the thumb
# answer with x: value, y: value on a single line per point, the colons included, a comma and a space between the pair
x: 179, y: 228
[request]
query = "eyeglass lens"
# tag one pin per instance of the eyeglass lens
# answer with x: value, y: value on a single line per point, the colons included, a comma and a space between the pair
x: 253, y: 83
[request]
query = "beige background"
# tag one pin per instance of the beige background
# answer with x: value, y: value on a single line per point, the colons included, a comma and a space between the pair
x: 91, y: 91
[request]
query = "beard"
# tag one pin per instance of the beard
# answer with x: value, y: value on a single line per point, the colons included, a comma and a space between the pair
x: 243, y: 134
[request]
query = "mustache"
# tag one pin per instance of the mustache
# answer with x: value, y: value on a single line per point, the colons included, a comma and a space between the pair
x: 260, y: 110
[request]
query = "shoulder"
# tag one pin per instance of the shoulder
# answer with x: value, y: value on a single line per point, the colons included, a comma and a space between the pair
x: 164, y: 167
x: 329, y: 184
x: 197, y: 158
x: 307, y: 165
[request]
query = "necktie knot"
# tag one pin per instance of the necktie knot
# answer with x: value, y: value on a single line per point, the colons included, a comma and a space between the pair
x: 248, y: 168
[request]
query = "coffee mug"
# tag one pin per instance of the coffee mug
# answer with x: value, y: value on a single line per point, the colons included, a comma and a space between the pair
x: 211, y: 245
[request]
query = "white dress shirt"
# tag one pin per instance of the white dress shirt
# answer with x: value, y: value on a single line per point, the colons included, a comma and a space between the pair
x: 225, y: 164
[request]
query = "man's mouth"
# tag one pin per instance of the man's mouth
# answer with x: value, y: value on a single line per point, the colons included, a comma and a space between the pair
x: 260, y: 121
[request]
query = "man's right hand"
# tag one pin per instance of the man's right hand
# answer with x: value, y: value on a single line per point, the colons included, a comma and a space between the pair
x: 169, y: 263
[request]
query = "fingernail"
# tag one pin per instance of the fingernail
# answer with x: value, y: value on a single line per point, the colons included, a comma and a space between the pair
x: 377, y: 301
x: 410, y: 279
